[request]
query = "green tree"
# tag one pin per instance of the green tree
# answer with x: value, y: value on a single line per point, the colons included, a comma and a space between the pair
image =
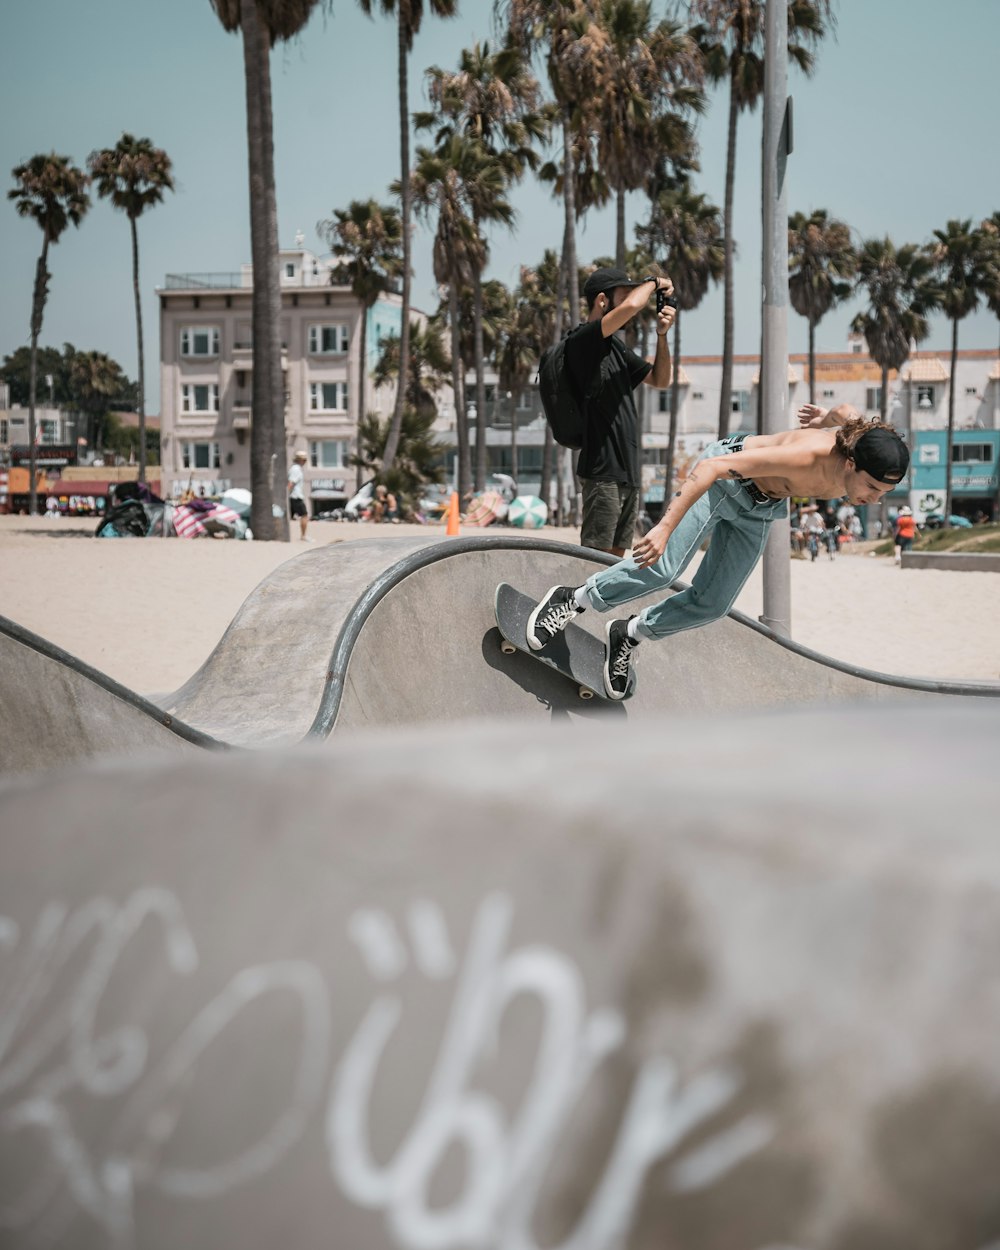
x: 439, y: 184
x: 409, y: 17
x: 429, y: 367
x: 418, y: 458
x: 650, y: 77
x: 991, y: 237
x: 961, y: 257
x: 367, y: 237
x: 262, y: 24
x: 52, y: 192
x: 519, y: 347
x: 133, y: 175
x: 898, y: 285
x: 564, y: 33
x: 16, y: 372
x: 821, y: 264
x: 731, y: 34
x: 493, y: 100
x: 96, y: 382
x: 685, y: 228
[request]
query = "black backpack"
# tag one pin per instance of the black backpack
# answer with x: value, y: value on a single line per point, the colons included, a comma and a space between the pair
x: 561, y: 404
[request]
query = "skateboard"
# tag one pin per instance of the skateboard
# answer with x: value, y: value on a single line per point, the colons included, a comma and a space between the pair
x: 575, y: 653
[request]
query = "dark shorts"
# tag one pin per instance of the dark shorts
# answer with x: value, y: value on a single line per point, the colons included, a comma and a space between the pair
x: 904, y: 544
x: 610, y: 513
x: 297, y: 507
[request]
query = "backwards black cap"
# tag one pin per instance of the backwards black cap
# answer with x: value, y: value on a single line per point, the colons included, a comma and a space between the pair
x: 882, y: 454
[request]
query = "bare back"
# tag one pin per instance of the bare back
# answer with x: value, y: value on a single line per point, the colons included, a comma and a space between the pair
x: 792, y: 463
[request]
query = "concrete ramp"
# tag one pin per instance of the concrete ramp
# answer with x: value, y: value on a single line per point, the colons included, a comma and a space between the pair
x: 490, y: 987
x: 394, y: 632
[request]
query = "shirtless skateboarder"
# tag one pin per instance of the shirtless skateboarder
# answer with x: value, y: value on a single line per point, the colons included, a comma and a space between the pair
x: 736, y: 489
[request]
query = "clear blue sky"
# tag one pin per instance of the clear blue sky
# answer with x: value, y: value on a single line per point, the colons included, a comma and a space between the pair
x: 896, y: 132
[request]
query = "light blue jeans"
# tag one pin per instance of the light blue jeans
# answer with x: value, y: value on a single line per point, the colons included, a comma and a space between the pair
x: 738, y: 527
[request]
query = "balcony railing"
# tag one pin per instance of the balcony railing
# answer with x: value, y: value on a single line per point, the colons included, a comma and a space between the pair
x: 207, y: 281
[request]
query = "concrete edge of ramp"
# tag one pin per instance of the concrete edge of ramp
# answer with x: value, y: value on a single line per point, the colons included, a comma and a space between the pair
x: 397, y: 573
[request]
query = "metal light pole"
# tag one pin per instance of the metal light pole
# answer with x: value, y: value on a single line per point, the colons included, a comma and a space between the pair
x: 777, y: 614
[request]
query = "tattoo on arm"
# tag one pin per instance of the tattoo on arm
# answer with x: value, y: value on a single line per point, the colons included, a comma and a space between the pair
x: 733, y: 472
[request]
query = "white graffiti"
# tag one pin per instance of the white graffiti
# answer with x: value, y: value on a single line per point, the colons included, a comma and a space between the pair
x: 506, y: 1163
x: 44, y: 1070
x: 59, y: 1052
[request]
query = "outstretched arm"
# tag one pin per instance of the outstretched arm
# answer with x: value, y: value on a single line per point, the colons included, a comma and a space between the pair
x: 813, y: 417
x: 648, y: 549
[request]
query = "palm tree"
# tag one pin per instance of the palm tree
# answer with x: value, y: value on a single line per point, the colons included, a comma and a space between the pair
x: 133, y: 175
x: 897, y: 282
x: 438, y: 185
x: 264, y: 23
x: 95, y: 382
x: 571, y: 42
x: 409, y: 16
x: 495, y: 100
x: 367, y: 238
x: 430, y: 367
x: 685, y: 228
x: 991, y: 237
x: 650, y: 77
x: 731, y: 34
x: 418, y: 460
x: 961, y: 257
x: 820, y: 262
x: 53, y: 193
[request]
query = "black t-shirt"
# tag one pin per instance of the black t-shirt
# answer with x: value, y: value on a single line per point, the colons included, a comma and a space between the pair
x: 607, y: 373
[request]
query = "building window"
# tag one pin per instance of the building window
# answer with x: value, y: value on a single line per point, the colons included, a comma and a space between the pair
x: 289, y: 269
x: 663, y: 404
x: 857, y: 347
x: 200, y: 455
x: 4, y: 430
x: 526, y: 401
x: 739, y: 401
x: 925, y: 396
x: 697, y: 394
x: 328, y: 340
x: 200, y: 397
x: 972, y: 453
x: 48, y: 431
x: 328, y: 396
x: 828, y: 394
x: 328, y: 453
x: 971, y: 390
x: 873, y: 398
x: 200, y: 341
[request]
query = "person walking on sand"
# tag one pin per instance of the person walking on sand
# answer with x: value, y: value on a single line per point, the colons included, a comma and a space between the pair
x: 736, y: 489
x: 904, y: 532
x: 297, y: 495
x: 606, y: 373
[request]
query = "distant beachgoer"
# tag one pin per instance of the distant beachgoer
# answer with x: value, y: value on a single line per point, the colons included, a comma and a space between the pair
x: 296, y: 494
x: 904, y: 532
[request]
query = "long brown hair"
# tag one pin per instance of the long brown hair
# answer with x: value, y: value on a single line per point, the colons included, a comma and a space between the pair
x: 855, y: 429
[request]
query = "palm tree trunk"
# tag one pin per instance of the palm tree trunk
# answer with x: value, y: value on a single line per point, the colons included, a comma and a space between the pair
x: 572, y: 274
x: 812, y: 361
x: 396, y: 424
x: 37, y: 310
x: 513, y: 435
x: 463, y: 475
x: 620, y: 229
x: 951, y: 420
x: 725, y: 398
x: 477, y: 319
x: 883, y: 402
x: 362, y: 376
x: 675, y: 407
x: 268, y: 467
x: 139, y: 348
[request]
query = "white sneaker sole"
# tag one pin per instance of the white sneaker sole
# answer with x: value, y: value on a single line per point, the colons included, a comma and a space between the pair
x: 529, y: 630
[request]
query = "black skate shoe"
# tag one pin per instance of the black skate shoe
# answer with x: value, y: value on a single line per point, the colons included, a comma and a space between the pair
x: 618, y: 660
x: 551, y: 616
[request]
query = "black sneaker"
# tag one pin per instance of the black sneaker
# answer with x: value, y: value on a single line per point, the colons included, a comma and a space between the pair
x: 551, y: 616
x: 618, y: 660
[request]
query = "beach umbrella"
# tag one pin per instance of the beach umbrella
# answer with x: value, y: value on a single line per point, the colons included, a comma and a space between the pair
x: 486, y: 508
x: 527, y: 512
x: 238, y: 499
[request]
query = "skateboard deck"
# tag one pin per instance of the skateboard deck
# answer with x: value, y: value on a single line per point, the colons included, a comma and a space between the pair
x: 575, y: 653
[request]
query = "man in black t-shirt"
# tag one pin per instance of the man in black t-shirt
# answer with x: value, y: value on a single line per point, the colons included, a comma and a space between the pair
x: 605, y: 373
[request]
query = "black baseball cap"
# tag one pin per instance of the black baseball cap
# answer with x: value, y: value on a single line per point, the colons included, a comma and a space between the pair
x: 606, y: 279
x: 882, y: 454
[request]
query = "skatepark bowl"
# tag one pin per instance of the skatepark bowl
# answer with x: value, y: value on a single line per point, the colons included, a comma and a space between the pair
x: 386, y: 940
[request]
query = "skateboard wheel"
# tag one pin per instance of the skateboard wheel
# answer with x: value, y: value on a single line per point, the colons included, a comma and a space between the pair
x: 584, y: 693
x: 507, y: 648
